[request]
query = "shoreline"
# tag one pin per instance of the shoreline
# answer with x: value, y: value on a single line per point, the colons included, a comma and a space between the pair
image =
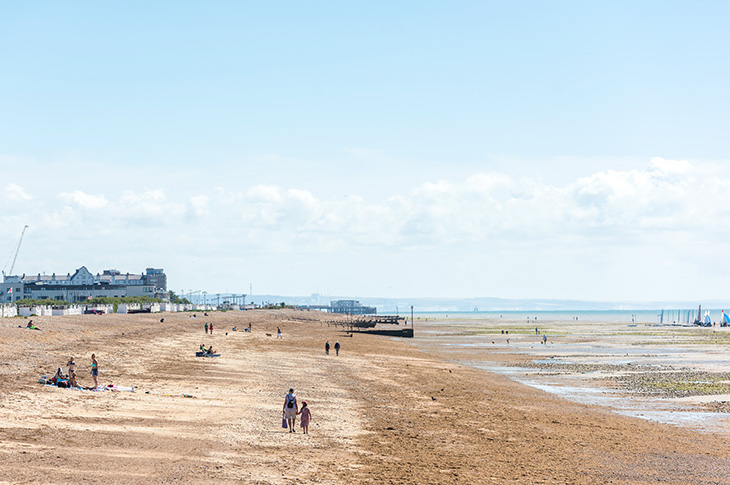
x: 645, y: 370
x: 382, y: 412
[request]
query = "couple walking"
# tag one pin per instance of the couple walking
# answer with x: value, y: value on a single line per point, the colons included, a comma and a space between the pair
x: 291, y: 410
x: 327, y: 347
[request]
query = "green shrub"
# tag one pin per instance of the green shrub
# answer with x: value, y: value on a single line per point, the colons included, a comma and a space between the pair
x: 47, y: 302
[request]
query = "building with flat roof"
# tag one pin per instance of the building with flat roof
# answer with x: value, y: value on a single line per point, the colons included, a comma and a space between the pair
x: 82, y: 285
x: 350, y: 307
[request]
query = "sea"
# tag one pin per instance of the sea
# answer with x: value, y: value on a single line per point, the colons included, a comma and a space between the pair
x: 610, y: 316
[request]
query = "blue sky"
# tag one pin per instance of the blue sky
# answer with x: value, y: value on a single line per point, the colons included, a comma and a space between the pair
x: 511, y: 149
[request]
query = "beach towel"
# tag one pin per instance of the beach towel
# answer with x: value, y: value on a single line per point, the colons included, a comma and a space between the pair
x: 112, y: 387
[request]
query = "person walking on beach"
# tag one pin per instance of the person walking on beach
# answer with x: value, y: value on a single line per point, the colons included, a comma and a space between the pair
x: 327, y: 348
x: 290, y: 410
x: 337, y: 348
x: 206, y: 327
x: 278, y: 332
x: 211, y: 329
x: 94, y: 370
x: 306, y: 416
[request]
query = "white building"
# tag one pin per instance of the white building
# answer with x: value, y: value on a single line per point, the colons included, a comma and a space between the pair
x: 81, y: 286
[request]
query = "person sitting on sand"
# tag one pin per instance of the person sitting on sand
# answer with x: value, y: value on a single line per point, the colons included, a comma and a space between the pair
x: 72, y: 380
x: 57, y: 376
x: 210, y: 351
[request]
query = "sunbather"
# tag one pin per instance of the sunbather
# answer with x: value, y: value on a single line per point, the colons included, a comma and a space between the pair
x: 58, y: 375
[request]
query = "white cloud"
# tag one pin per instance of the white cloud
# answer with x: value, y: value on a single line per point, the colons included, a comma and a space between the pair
x: 488, y: 221
x: 199, y: 205
x: 149, y: 208
x: 15, y: 193
x: 84, y: 200
x: 666, y: 167
x: 148, y: 197
x: 487, y: 207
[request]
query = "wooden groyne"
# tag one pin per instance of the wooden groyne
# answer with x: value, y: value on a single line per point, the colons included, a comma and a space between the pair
x: 369, y: 322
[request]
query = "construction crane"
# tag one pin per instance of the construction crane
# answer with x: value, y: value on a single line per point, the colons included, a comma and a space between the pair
x: 17, y: 250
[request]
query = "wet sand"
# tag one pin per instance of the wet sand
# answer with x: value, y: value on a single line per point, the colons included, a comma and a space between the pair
x: 670, y: 373
x: 382, y: 412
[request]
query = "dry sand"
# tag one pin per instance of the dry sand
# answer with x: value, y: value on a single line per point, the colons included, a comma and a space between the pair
x: 382, y: 412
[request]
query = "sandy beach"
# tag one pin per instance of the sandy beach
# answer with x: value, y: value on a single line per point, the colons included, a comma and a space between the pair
x: 384, y: 411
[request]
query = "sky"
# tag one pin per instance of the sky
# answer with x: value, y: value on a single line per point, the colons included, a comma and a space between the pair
x: 567, y: 150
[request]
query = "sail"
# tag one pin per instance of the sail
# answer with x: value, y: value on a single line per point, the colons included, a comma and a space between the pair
x: 725, y: 317
x: 708, y: 320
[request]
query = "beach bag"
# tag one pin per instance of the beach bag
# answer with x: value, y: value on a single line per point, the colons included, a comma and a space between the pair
x: 283, y: 422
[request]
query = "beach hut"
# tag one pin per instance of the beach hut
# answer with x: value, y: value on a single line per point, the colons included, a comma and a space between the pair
x: 126, y: 307
x: 8, y: 311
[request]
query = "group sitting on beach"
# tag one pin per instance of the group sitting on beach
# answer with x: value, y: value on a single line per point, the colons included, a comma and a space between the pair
x: 206, y: 350
x: 60, y: 379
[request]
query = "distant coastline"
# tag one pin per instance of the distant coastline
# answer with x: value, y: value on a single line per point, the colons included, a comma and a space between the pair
x: 491, y: 304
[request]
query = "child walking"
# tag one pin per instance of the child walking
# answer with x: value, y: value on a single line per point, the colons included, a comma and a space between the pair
x: 306, y: 416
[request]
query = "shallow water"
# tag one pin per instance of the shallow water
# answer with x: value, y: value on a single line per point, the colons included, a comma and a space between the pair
x: 663, y: 411
x: 603, y: 343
